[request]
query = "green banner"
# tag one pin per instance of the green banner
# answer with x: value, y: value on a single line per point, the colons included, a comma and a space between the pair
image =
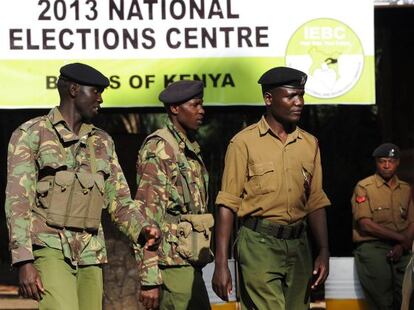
x: 143, y: 46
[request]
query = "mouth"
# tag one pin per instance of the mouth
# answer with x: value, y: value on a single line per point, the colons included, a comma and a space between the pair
x: 297, y: 112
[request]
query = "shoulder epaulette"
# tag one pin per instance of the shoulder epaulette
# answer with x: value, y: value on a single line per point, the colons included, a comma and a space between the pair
x: 243, y: 131
x: 366, y: 182
x: 30, y: 123
x: 404, y: 183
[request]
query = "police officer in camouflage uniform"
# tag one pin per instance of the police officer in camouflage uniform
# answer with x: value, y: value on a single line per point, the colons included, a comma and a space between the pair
x: 62, y: 171
x: 383, y: 230
x: 272, y: 181
x: 172, y: 185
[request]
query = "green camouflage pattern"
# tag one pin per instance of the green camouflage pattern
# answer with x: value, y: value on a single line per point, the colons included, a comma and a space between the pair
x: 34, y: 150
x: 160, y: 192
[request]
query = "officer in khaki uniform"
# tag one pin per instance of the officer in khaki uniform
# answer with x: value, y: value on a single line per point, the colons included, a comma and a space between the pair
x: 383, y: 230
x: 62, y: 172
x: 272, y: 182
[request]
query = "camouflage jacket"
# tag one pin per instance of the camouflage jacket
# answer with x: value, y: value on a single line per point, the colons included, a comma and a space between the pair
x: 34, y: 149
x: 161, y: 193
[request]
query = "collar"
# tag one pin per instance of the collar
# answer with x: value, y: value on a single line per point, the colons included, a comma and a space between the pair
x: 183, y: 141
x: 379, y: 181
x: 63, y: 130
x: 264, y: 128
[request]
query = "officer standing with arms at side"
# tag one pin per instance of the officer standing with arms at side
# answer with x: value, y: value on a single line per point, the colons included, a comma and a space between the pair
x: 272, y: 181
x: 62, y: 171
x: 173, y: 186
x: 383, y: 230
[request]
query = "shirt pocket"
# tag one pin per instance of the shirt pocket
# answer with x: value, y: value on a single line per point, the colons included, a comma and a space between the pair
x: 382, y: 214
x: 262, y: 177
x: 50, y: 159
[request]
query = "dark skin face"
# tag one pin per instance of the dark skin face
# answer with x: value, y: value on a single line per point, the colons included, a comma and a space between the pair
x: 79, y: 103
x: 188, y: 116
x: 386, y: 167
x: 87, y: 101
x: 285, y: 104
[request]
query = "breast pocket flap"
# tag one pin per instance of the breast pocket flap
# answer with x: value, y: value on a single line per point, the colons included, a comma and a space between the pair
x: 261, y: 168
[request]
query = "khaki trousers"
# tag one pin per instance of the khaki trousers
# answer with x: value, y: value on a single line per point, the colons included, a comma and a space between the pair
x: 183, y: 288
x: 68, y: 287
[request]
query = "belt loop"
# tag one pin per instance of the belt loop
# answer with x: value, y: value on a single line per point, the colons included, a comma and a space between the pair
x: 301, y: 229
x: 255, y: 222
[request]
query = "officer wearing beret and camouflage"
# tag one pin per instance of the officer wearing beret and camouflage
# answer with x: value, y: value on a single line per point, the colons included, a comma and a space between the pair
x: 172, y: 185
x: 272, y: 182
x: 62, y: 171
x: 383, y: 230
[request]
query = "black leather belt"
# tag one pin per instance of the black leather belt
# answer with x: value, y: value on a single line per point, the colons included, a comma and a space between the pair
x: 278, y: 231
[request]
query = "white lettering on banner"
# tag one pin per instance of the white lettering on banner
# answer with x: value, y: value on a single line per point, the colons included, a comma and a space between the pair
x: 324, y: 33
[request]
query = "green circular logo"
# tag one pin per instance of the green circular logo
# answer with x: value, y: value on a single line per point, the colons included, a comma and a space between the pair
x: 330, y: 53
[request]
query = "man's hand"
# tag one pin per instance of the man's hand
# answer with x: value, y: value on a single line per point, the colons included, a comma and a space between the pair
x: 321, y: 268
x: 395, y: 253
x: 149, y: 296
x: 152, y: 235
x: 30, y: 284
x: 221, y: 281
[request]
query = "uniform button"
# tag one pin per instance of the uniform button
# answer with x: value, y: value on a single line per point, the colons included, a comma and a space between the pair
x: 289, y: 190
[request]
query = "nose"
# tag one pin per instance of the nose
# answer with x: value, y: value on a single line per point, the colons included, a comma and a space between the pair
x: 299, y: 101
x: 201, y: 110
x: 99, y: 97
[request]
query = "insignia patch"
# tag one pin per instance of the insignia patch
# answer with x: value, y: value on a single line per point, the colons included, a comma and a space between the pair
x: 360, y: 199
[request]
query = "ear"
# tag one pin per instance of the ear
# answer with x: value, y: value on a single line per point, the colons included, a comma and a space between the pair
x: 174, y: 108
x: 74, y: 89
x: 267, y: 98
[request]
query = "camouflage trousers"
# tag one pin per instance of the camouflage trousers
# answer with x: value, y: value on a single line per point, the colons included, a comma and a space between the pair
x: 68, y: 287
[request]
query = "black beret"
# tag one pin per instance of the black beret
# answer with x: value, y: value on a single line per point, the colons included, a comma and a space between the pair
x: 387, y: 150
x: 283, y: 76
x: 182, y: 91
x: 83, y: 75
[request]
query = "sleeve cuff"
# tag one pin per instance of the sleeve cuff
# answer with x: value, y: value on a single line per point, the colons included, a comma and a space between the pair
x: 21, y: 254
x: 230, y: 201
x: 317, y: 202
x: 149, y: 273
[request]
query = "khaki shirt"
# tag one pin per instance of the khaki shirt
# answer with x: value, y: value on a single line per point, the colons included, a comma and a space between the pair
x: 392, y: 208
x: 264, y: 177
